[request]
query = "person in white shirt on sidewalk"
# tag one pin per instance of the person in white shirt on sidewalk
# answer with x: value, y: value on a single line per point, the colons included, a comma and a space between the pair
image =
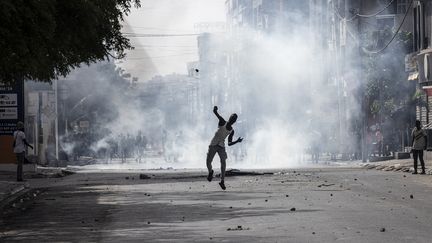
x: 217, y: 145
x: 19, y: 147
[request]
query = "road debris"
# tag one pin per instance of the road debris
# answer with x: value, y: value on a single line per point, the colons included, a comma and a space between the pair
x: 326, y: 185
x: 239, y: 227
x: 144, y: 177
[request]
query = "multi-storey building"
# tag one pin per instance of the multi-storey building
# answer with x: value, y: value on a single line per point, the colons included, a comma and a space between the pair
x: 360, y: 33
x: 337, y: 32
x: 418, y: 63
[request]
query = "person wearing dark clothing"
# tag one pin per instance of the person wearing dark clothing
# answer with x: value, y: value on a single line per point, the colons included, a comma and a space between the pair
x: 419, y: 144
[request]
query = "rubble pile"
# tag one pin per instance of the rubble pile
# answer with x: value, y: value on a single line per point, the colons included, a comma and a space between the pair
x: 394, y: 167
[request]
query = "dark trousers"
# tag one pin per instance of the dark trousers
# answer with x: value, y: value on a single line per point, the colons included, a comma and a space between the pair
x: 20, y: 162
x: 416, y: 155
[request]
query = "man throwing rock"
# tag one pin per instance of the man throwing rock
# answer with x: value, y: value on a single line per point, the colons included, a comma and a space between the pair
x: 217, y: 145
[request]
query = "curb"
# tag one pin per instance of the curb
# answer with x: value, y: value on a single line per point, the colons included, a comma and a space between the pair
x: 14, y: 194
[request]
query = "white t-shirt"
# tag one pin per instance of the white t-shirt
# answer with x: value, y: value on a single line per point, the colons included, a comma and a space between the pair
x: 220, y: 135
x: 19, y: 137
x: 419, y: 139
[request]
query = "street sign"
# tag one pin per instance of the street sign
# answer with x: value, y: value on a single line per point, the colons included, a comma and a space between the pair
x: 8, y: 113
x: 11, y: 107
x: 8, y: 100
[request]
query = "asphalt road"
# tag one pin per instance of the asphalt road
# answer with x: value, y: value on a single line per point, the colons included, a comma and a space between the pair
x: 315, y: 205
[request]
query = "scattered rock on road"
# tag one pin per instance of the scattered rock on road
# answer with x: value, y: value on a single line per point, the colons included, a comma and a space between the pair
x: 326, y: 185
x: 144, y: 176
x: 239, y: 227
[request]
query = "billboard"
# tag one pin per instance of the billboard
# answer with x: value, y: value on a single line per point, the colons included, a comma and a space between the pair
x: 11, y: 111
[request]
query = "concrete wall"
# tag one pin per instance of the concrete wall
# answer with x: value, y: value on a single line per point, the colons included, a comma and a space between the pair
x: 40, y: 125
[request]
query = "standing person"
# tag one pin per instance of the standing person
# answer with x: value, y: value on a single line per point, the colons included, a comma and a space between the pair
x: 380, y: 140
x: 19, y: 146
x: 217, y: 145
x: 315, y: 146
x: 138, y: 147
x: 419, y: 143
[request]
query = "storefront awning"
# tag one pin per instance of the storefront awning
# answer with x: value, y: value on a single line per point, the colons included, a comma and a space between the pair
x: 413, y: 76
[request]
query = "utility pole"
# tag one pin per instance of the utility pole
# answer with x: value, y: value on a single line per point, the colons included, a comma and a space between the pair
x: 364, y: 102
x: 55, y: 84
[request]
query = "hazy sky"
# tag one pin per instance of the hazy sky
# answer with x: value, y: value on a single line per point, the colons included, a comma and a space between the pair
x: 164, y: 55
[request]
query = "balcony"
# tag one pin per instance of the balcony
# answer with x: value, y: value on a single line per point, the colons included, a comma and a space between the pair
x: 424, y: 67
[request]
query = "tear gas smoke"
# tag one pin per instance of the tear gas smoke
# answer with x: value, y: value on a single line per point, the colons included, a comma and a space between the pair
x: 279, y: 83
x: 284, y: 105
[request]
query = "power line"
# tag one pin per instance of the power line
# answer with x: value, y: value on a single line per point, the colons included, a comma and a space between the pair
x: 375, y: 14
x: 164, y: 46
x: 167, y: 56
x: 363, y: 15
x: 395, y: 34
x: 159, y: 35
x: 164, y: 49
x: 156, y: 28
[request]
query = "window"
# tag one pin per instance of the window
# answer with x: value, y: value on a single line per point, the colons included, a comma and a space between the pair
x: 385, y: 22
x: 420, y: 40
x: 401, y: 6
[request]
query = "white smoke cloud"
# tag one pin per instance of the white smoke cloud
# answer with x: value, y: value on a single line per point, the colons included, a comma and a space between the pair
x: 287, y: 105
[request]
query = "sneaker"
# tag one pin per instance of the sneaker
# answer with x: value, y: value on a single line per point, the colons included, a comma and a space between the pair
x: 222, y: 185
x: 210, y: 176
x: 415, y: 173
x: 423, y: 173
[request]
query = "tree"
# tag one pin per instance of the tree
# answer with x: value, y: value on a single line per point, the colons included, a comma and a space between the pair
x: 387, y: 87
x: 42, y: 40
x: 389, y: 96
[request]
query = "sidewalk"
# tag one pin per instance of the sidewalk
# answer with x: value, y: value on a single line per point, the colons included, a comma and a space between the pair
x: 10, y: 188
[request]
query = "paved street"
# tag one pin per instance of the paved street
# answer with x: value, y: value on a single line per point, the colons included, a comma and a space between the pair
x: 308, y: 205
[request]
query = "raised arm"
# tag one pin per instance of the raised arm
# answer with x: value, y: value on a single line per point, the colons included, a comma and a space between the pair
x: 221, y: 120
x: 230, y: 139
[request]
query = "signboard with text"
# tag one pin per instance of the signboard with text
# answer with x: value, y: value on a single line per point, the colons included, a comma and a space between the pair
x: 11, y: 107
x: 11, y: 111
